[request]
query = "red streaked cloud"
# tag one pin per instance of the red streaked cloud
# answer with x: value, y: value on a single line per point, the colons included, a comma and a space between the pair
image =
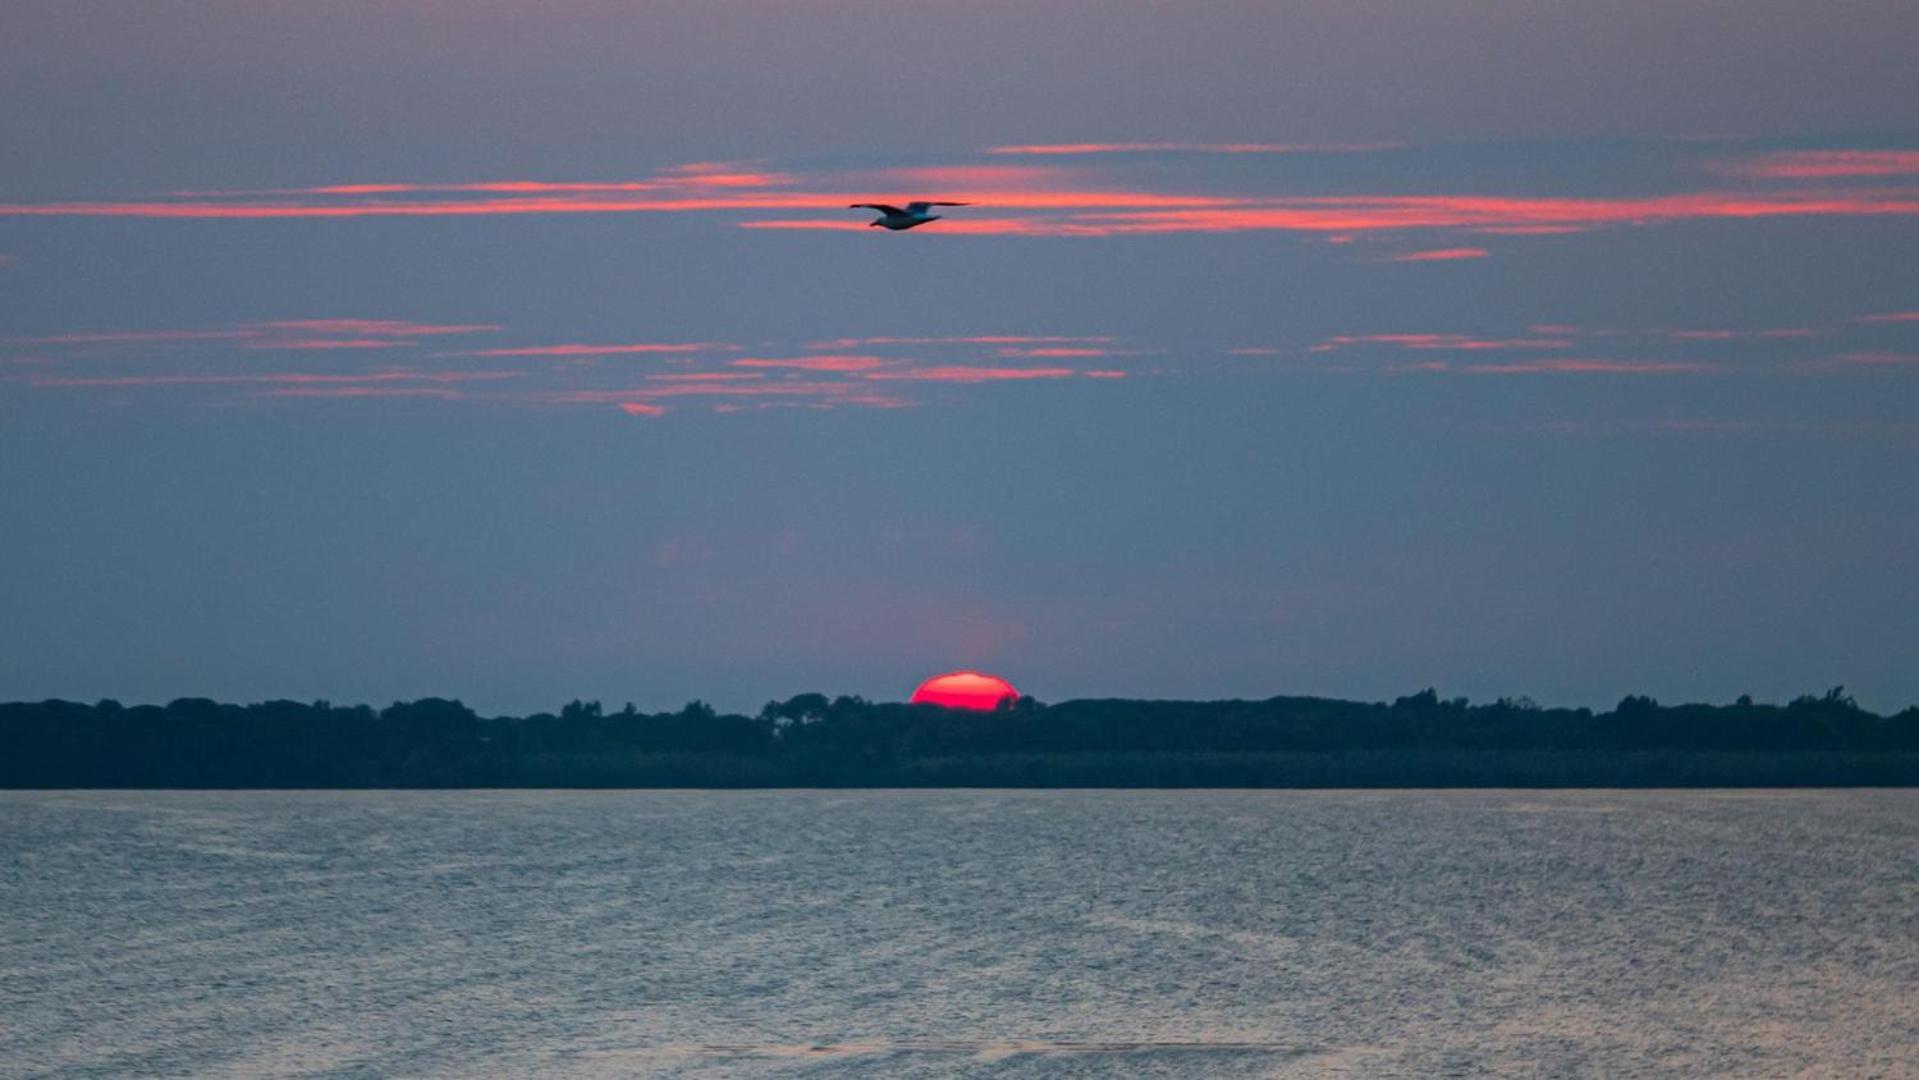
x: 828, y: 362
x: 1192, y: 148
x: 1826, y: 164
x: 599, y: 350
x: 1891, y: 317
x: 544, y: 187
x: 484, y: 207
x: 1348, y: 215
x: 642, y: 408
x: 1103, y: 374
x: 1055, y: 208
x: 1343, y: 214
x: 1441, y: 255
x: 218, y: 208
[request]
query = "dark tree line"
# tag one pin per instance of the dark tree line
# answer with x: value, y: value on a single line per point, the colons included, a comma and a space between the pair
x: 811, y: 740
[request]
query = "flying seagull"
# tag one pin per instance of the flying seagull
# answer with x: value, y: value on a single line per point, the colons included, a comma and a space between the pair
x: 892, y: 217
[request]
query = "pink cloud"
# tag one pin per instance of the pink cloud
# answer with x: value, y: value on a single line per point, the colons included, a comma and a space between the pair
x: 724, y: 174
x: 485, y: 207
x: 641, y: 408
x: 847, y: 392
x: 1191, y: 147
x: 838, y: 363
x: 1062, y: 207
x: 1529, y: 230
x: 1103, y: 374
x: 736, y: 397
x: 974, y: 177
x: 1735, y: 335
x: 1441, y: 255
x: 1456, y: 342
x: 961, y: 373
x: 974, y: 339
x: 1891, y: 317
x: 327, y: 343
x: 223, y: 206
x: 707, y: 376
x: 951, y: 227
x: 1476, y: 212
x: 1826, y: 164
x: 693, y: 177
x: 129, y: 337
x: 861, y: 401
x: 344, y: 334
x: 727, y: 388
x: 284, y: 378
x: 1872, y: 360
x: 361, y: 392
x: 375, y: 327
x: 1130, y: 212
x: 598, y: 350
x: 1053, y: 352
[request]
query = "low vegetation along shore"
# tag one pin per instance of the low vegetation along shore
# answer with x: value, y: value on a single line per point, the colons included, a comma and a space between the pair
x: 812, y: 741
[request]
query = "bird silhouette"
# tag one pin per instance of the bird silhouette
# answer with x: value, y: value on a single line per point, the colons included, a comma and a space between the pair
x: 898, y: 220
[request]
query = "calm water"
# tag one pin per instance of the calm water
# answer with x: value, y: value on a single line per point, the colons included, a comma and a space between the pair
x: 986, y: 933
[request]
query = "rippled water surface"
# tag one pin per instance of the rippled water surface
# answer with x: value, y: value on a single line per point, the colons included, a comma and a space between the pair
x: 985, y: 933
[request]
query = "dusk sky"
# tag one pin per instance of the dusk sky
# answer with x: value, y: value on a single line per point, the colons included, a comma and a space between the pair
x: 525, y: 352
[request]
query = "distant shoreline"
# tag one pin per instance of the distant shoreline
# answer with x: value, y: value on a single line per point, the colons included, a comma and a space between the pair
x: 846, y: 743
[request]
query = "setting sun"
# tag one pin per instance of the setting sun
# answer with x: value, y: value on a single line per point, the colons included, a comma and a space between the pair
x: 965, y: 690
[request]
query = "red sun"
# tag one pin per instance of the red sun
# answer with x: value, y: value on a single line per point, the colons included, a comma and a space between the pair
x: 964, y: 690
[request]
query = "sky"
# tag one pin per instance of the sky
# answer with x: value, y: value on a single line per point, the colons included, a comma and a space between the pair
x: 521, y: 353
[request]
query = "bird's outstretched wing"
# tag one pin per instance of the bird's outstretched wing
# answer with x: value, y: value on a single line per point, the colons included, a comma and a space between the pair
x: 890, y: 211
x: 921, y: 207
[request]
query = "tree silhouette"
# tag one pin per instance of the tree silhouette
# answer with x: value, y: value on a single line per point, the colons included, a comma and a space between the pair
x: 809, y: 739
